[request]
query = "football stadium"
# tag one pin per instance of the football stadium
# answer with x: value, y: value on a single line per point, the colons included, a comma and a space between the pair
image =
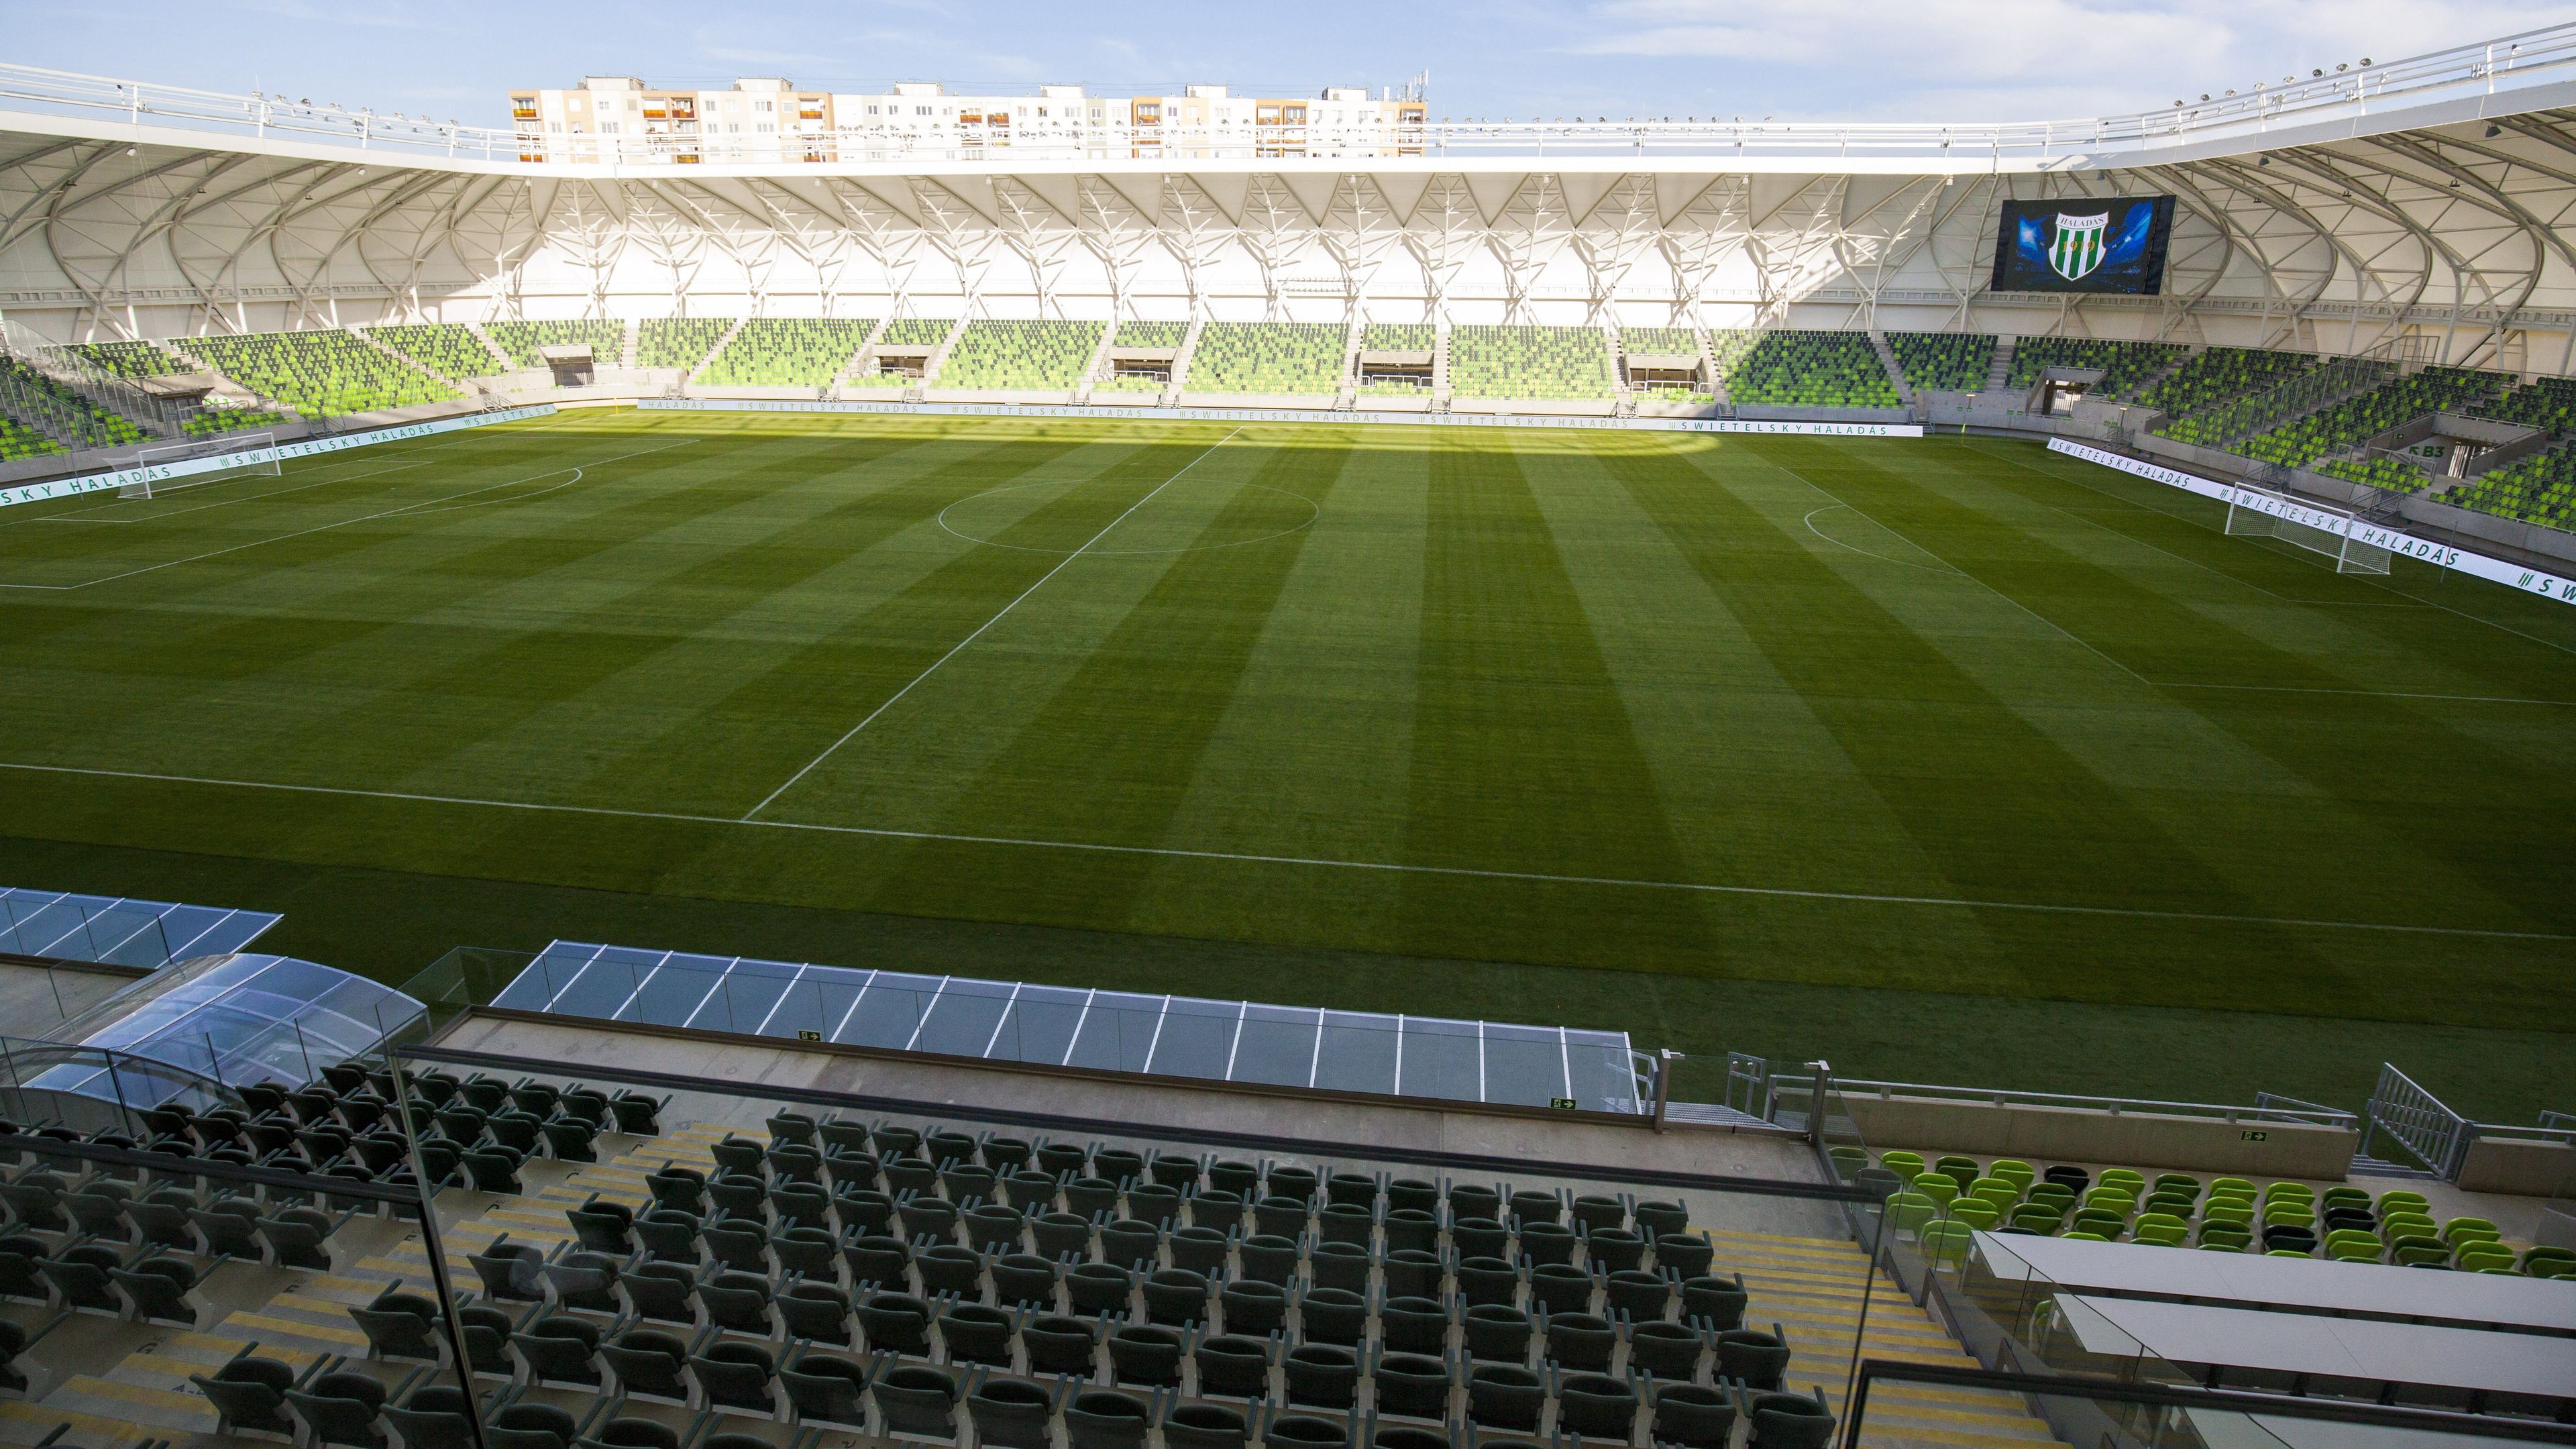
x: 753, y: 767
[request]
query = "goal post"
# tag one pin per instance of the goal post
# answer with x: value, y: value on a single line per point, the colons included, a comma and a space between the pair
x: 2320, y: 531
x: 199, y: 461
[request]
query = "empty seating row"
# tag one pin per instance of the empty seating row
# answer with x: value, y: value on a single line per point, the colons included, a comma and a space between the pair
x: 1945, y: 361
x: 521, y: 340
x: 1943, y: 1200
x: 1812, y: 369
x: 917, y: 332
x: 45, y: 405
x: 449, y: 349
x: 1040, y: 355
x: 2354, y: 420
x: 1400, y: 337
x: 2124, y: 365
x: 1267, y: 357
x: 787, y: 352
x: 1134, y: 333
x: 130, y: 359
x: 2547, y: 403
x: 2540, y: 488
x: 2223, y: 374
x: 1566, y: 363
x: 681, y: 342
x: 323, y: 373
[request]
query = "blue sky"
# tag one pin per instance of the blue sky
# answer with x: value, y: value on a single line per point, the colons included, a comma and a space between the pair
x: 1934, y: 60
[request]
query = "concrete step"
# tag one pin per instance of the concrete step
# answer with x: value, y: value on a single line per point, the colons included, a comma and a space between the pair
x: 25, y: 1423
x: 150, y: 1408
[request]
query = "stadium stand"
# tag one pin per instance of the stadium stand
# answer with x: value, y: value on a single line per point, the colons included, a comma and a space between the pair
x: 606, y: 340
x: 17, y: 440
x: 1400, y: 337
x: 129, y: 359
x: 1048, y: 355
x: 1946, y: 361
x: 2175, y: 1209
x: 787, y: 352
x: 1294, y: 358
x: 1663, y: 341
x: 1812, y: 369
x: 1133, y: 333
x: 448, y: 349
x: 917, y: 331
x: 1568, y: 363
x: 2547, y: 403
x: 2538, y: 489
x: 2381, y: 471
x: 681, y: 342
x: 2124, y: 365
x: 2222, y: 373
x: 2355, y: 419
x: 322, y: 373
x: 894, y: 1275
x: 85, y: 423
x: 214, y: 421
x: 1129, y: 384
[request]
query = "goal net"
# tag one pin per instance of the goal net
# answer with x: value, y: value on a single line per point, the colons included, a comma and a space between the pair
x: 2331, y: 537
x: 204, y: 460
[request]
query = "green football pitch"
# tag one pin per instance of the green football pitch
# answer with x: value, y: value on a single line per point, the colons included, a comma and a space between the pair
x: 1948, y: 759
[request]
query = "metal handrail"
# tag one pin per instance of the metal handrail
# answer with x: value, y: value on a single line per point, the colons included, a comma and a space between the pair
x: 2436, y: 1422
x: 2485, y: 68
x: 2267, y: 1107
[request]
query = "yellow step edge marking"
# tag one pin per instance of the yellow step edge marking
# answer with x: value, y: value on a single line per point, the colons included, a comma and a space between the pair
x: 257, y: 1322
x: 167, y: 1400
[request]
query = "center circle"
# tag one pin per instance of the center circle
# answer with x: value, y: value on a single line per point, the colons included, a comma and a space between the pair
x: 1280, y: 514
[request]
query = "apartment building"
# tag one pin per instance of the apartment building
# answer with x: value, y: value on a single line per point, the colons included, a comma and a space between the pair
x: 767, y: 119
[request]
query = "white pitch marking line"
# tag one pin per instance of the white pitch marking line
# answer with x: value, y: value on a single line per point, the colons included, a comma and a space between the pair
x: 422, y: 506
x: 79, y: 515
x: 960, y: 645
x: 1317, y: 862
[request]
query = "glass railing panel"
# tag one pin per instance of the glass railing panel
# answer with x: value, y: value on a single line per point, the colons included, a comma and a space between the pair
x: 147, y: 1294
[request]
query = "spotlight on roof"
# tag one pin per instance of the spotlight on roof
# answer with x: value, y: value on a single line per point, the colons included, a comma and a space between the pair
x: 2494, y: 131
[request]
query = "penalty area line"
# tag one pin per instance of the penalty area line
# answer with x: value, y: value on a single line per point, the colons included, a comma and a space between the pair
x: 1310, y: 862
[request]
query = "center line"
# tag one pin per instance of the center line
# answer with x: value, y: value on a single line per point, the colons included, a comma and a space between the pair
x: 954, y: 649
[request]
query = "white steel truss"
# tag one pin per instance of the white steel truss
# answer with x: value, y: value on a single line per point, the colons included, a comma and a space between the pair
x: 2456, y: 225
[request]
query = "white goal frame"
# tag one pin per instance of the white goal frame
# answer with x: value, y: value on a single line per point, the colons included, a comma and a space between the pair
x: 2326, y: 531
x: 264, y: 466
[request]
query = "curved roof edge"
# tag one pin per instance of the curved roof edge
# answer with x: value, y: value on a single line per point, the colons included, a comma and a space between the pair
x: 2511, y: 75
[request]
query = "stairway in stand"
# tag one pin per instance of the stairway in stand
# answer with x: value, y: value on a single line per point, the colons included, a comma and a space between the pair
x: 1811, y: 1287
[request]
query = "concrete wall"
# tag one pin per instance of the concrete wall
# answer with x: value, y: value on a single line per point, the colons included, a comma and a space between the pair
x: 2526, y: 1167
x: 2137, y: 1139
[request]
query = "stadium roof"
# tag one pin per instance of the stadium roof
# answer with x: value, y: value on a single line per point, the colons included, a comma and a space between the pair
x: 118, y: 931
x: 2509, y: 75
x: 234, y: 1020
x: 1157, y: 1035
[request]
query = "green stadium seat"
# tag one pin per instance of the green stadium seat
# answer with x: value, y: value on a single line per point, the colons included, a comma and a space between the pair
x: 521, y: 340
x: 1947, y: 1244
x: 1283, y: 358
x: 447, y: 348
x: 1537, y: 363
x: 321, y: 373
x: 1943, y: 361
x: 799, y: 352
x: 1028, y: 356
x: 1976, y: 1213
x: 680, y: 342
x: 2124, y: 365
x: 1811, y: 369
